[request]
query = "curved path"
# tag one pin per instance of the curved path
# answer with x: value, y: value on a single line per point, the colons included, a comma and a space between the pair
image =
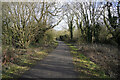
x: 57, y: 64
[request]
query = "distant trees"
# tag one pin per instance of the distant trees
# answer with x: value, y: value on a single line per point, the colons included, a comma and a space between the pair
x: 69, y: 18
x: 85, y: 19
x: 91, y: 17
x: 25, y: 23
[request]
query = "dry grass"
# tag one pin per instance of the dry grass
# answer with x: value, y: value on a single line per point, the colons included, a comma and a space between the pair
x: 105, y: 56
x: 23, y: 60
x: 86, y: 67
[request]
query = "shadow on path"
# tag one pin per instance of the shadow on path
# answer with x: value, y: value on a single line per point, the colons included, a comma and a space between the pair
x: 57, y: 64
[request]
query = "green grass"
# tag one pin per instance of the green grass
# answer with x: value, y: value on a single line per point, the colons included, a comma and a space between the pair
x: 26, y: 61
x: 13, y: 71
x: 55, y: 43
x: 84, y: 66
x: 23, y: 63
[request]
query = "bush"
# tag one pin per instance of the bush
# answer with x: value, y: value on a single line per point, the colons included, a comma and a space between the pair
x: 8, y: 54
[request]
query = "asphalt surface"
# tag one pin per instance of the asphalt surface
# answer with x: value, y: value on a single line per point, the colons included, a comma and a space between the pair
x: 58, y: 64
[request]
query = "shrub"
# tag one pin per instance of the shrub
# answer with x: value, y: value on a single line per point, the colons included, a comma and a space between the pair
x: 8, y: 54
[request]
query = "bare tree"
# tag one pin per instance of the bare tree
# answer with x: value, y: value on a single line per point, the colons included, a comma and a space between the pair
x: 69, y: 18
x: 24, y: 22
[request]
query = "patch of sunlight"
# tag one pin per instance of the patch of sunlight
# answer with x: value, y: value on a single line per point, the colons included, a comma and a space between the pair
x: 73, y: 48
x: 74, y: 52
x: 11, y: 72
x: 68, y: 44
x: 90, y: 62
x: 19, y: 67
x: 6, y: 76
x: 80, y: 60
x: 30, y: 63
x: 83, y: 64
x: 14, y: 69
x: 92, y: 68
x: 92, y: 73
x: 26, y: 61
x: 85, y: 71
x: 38, y: 58
x: 41, y: 53
x: 56, y: 43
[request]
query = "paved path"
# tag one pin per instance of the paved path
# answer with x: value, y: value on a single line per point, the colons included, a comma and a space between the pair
x: 57, y: 64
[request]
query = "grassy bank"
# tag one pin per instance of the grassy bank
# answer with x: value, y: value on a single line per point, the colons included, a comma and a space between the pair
x: 25, y: 59
x: 86, y: 67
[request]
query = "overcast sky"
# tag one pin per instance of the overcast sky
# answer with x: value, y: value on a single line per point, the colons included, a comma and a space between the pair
x: 63, y: 25
x: 55, y: 0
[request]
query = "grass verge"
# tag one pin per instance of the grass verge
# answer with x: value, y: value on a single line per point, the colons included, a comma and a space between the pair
x: 25, y: 60
x: 84, y: 66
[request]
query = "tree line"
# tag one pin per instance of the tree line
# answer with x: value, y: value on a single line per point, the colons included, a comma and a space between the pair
x: 25, y: 23
x: 93, y: 19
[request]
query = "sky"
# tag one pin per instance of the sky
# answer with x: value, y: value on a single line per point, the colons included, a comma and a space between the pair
x: 62, y: 25
x: 54, y: 0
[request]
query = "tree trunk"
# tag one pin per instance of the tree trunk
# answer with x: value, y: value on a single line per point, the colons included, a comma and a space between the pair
x: 89, y: 35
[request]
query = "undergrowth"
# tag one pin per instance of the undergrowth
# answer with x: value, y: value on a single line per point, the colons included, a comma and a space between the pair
x: 25, y: 60
x: 84, y: 66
